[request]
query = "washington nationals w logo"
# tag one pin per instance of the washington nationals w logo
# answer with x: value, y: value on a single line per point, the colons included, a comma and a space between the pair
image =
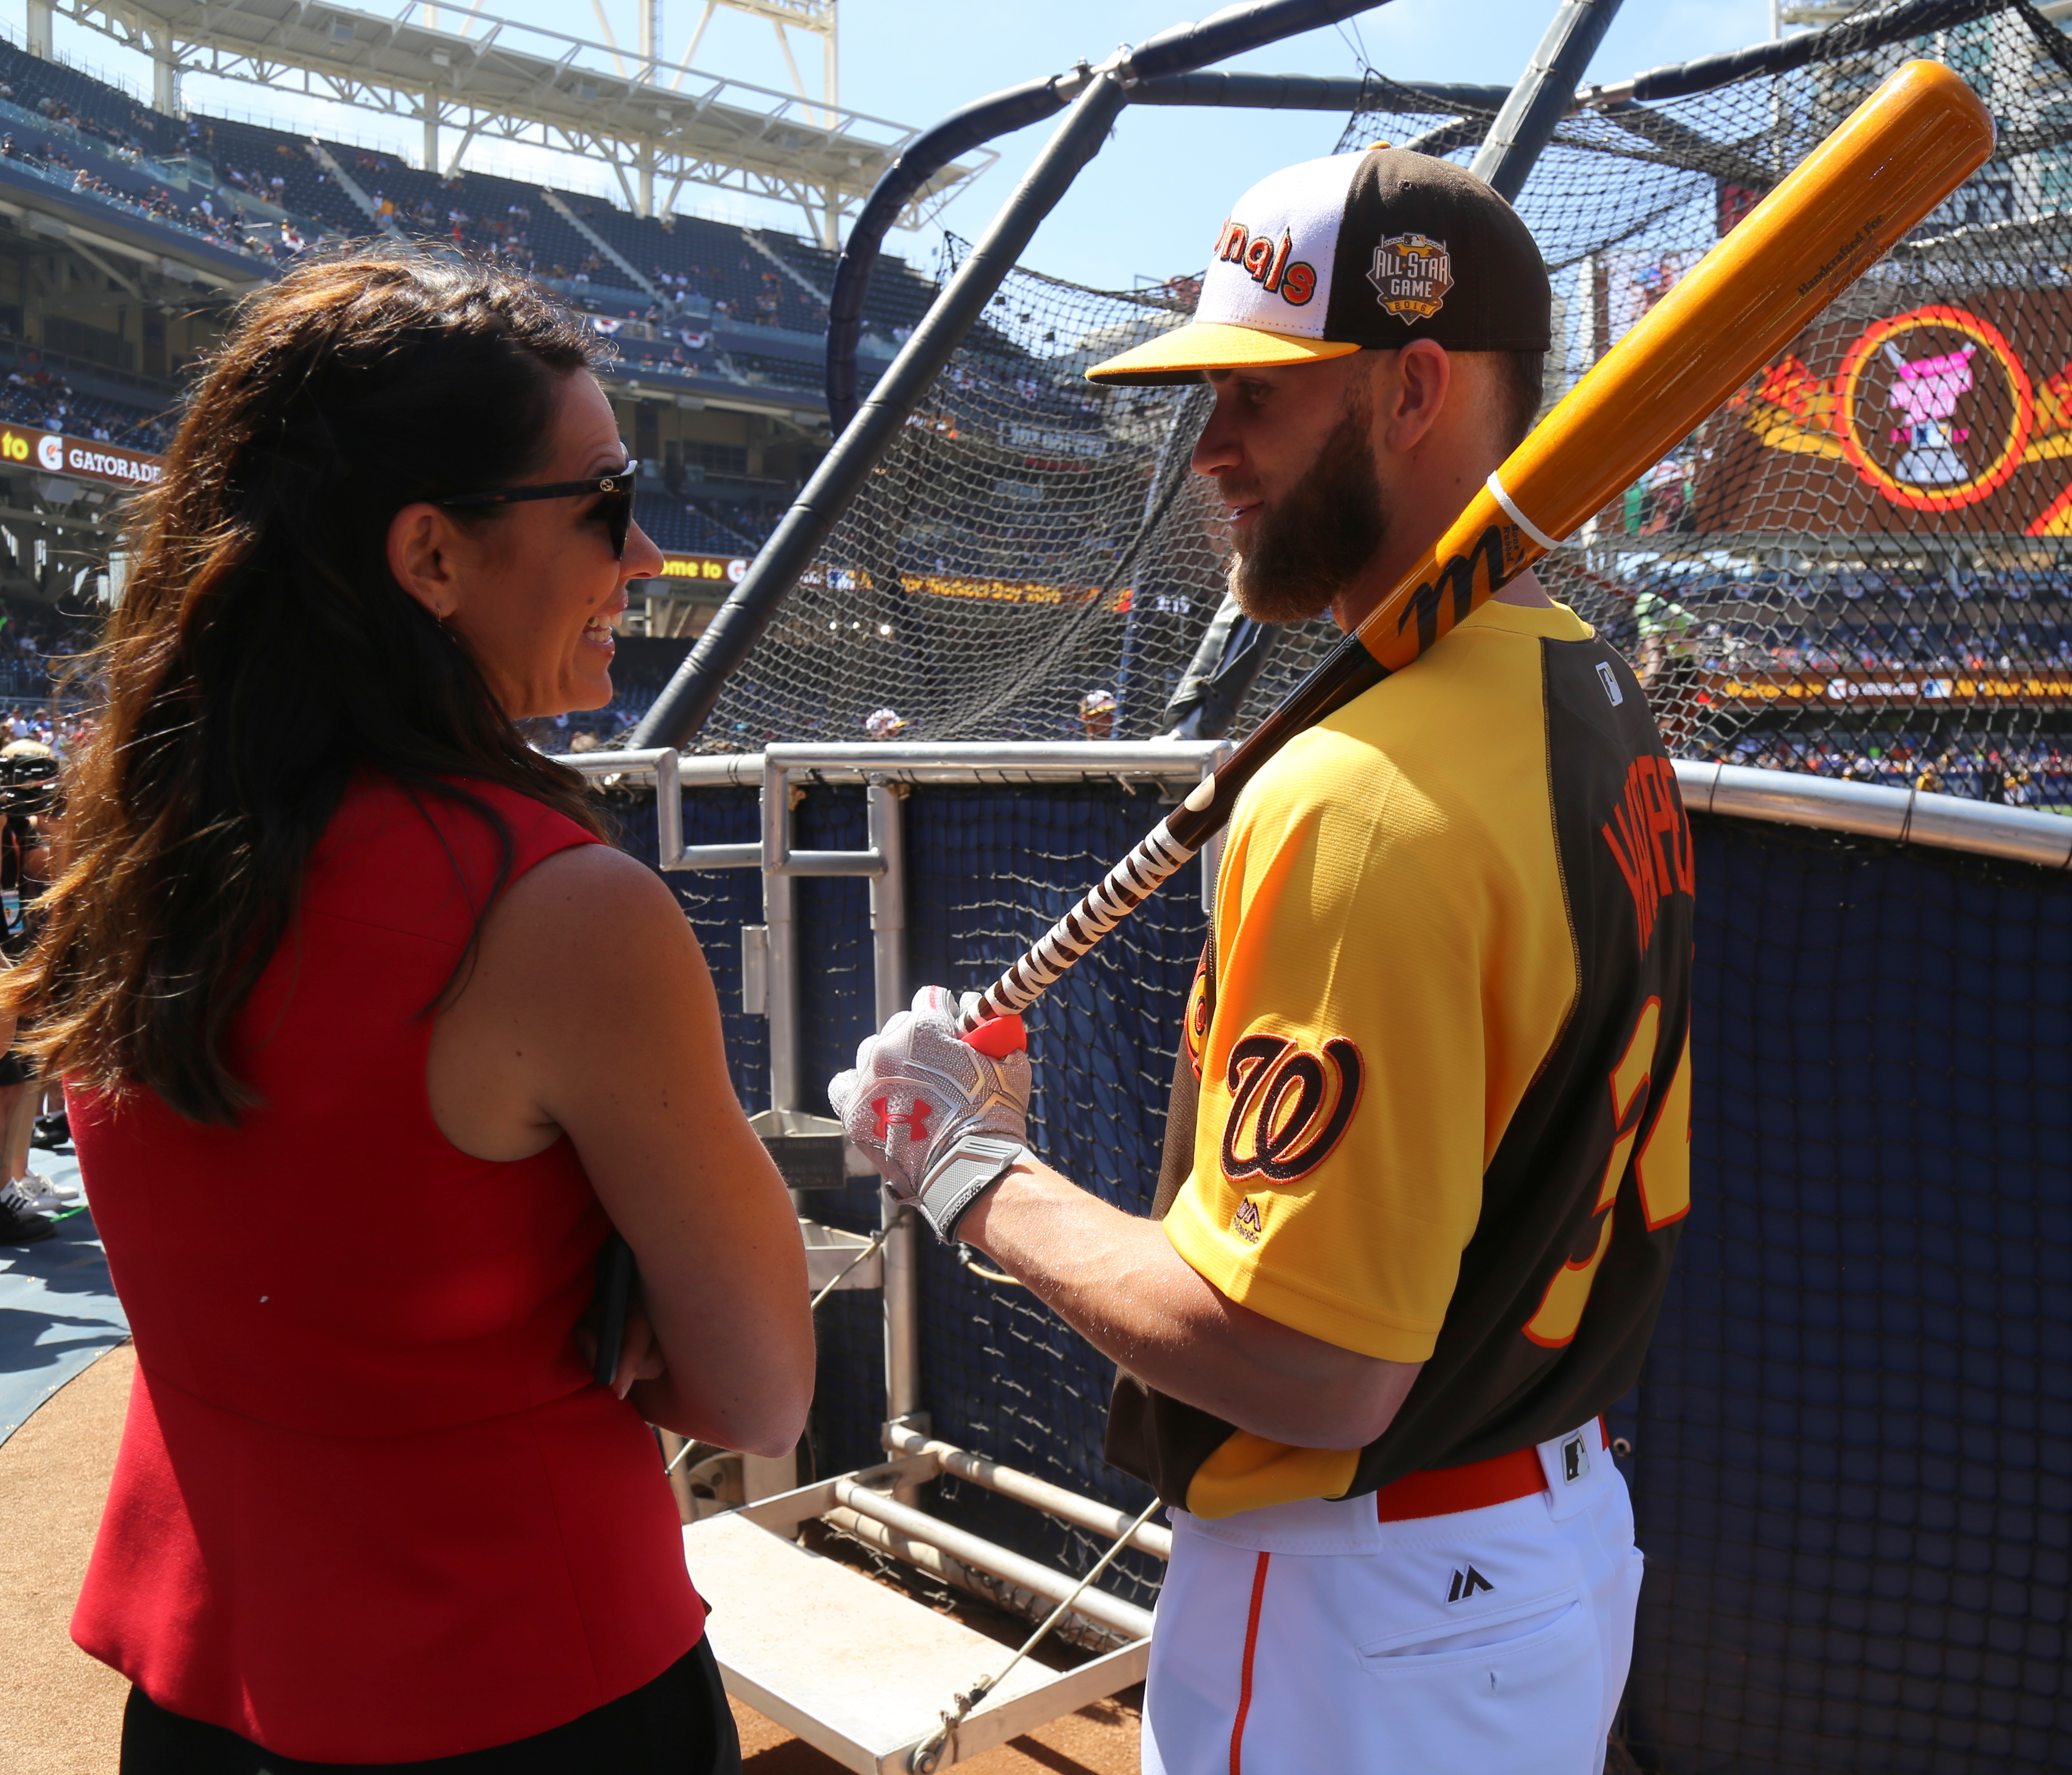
x: 1290, y: 1106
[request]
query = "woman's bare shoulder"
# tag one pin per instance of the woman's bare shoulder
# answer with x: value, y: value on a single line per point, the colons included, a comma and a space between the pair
x: 593, y: 880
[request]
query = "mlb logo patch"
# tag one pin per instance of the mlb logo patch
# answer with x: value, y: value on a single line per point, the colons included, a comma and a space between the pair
x: 1575, y: 1460
x: 1610, y: 679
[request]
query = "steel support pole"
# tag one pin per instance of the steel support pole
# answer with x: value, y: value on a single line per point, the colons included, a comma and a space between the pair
x: 682, y: 709
x: 783, y: 1002
x: 1545, y: 94
x: 901, y: 1271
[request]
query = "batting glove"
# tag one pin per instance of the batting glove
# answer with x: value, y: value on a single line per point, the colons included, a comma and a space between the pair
x: 941, y: 1115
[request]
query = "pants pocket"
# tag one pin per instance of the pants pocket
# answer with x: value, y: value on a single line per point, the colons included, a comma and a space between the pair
x: 1516, y: 1696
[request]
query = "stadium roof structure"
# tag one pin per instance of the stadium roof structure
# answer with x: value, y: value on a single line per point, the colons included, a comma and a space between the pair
x: 658, y: 124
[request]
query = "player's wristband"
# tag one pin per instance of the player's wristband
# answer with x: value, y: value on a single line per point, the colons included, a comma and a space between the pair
x: 960, y: 1176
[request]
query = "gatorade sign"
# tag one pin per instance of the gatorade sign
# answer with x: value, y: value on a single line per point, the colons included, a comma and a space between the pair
x: 713, y: 569
x: 80, y: 458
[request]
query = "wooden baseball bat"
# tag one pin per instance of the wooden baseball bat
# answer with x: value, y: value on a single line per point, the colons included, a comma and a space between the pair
x: 1896, y: 156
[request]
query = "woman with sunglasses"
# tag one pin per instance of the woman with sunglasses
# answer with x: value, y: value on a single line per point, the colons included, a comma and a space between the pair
x: 335, y: 950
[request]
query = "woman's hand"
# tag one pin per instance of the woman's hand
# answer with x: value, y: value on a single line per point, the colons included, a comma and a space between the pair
x: 641, y: 1357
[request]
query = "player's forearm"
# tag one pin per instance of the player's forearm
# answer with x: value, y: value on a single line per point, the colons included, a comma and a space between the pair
x: 1116, y: 1280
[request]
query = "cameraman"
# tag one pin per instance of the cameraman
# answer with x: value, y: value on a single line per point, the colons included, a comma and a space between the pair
x: 29, y: 808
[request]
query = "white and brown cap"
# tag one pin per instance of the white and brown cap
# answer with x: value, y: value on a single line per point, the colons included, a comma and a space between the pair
x: 1356, y: 252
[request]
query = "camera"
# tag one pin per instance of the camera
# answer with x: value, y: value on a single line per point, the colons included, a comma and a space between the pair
x: 28, y: 786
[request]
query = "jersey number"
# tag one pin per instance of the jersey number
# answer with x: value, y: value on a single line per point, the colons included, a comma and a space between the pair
x: 1662, y: 1171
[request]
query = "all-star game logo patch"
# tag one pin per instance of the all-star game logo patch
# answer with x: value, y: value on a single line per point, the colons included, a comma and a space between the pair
x: 1411, y: 275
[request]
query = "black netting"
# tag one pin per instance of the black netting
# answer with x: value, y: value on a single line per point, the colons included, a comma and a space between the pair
x: 1032, y: 561
x: 1852, y: 1460
x: 1852, y: 1447
x: 1858, y: 565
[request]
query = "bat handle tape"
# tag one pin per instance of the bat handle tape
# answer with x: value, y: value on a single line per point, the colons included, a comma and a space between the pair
x: 1496, y: 492
x: 1126, y: 886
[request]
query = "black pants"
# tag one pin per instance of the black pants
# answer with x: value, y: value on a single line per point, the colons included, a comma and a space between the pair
x: 679, y: 1724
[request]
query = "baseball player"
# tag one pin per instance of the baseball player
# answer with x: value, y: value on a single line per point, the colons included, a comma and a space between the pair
x: 1427, y: 1155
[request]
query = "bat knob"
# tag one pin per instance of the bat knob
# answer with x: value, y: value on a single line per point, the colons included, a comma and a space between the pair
x: 998, y: 1036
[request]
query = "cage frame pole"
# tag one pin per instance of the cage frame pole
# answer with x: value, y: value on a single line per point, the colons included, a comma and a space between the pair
x: 685, y: 704
x: 1545, y: 93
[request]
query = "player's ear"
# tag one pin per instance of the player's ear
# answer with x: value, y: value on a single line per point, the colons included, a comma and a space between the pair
x: 1422, y: 376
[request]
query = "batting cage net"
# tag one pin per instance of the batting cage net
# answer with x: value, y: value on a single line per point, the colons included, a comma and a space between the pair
x: 1858, y: 564
x: 1850, y: 1452
x: 1032, y: 559
x: 1857, y: 567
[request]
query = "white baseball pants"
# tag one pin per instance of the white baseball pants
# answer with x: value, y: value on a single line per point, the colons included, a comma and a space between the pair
x: 1312, y: 1637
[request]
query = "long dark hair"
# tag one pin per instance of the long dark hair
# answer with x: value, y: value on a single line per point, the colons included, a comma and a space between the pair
x: 262, y: 653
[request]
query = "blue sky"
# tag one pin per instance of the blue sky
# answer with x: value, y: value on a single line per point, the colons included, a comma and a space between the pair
x: 1149, y: 203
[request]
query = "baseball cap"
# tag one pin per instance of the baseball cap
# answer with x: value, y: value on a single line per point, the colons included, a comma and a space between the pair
x: 1369, y: 249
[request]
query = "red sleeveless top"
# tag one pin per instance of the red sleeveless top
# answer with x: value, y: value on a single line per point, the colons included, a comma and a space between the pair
x: 370, y: 1507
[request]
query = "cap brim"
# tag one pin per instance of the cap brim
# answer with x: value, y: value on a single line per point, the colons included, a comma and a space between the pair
x: 1182, y: 354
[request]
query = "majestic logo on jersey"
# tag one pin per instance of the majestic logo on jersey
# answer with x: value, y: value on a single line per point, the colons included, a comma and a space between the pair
x: 1650, y: 841
x: 1265, y: 261
x: 1248, y: 1223
x: 914, y: 1120
x: 1411, y: 275
x: 1201, y: 1007
x: 1290, y: 1106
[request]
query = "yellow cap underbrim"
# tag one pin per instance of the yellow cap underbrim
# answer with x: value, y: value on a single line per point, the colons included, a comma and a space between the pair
x: 1182, y: 354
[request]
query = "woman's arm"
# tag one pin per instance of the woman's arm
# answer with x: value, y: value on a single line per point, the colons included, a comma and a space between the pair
x: 590, y: 1010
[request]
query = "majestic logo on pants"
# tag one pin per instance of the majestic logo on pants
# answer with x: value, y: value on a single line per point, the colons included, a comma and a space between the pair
x: 1466, y: 1584
x: 914, y: 1120
x: 1290, y: 1106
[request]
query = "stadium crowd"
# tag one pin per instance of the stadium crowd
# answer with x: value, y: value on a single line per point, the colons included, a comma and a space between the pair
x: 2013, y: 772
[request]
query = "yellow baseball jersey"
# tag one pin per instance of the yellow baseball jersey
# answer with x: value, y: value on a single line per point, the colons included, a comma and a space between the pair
x: 1432, y: 1102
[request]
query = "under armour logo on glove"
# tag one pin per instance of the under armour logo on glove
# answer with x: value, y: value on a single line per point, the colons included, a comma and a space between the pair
x: 941, y: 1115
x: 915, y: 1119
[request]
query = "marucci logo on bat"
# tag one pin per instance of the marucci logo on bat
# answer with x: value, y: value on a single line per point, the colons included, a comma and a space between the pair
x: 1455, y: 581
x: 1290, y: 1106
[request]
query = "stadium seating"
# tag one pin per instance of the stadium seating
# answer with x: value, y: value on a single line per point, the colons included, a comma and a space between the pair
x: 32, y: 394
x: 701, y: 527
x: 708, y: 271
x: 96, y: 109
x: 249, y: 156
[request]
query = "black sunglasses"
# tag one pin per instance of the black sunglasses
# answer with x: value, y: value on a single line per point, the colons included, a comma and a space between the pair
x: 614, y: 492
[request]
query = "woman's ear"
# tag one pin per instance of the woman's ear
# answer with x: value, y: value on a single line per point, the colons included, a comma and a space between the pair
x: 420, y: 557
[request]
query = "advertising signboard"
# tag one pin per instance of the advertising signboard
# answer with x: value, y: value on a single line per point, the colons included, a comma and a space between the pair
x: 77, y: 459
